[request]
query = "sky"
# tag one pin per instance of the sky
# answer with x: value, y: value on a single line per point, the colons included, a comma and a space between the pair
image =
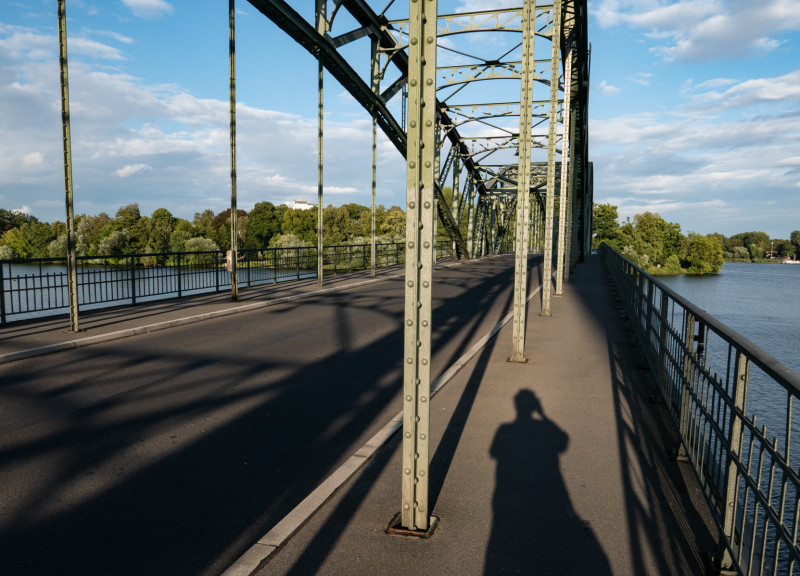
x: 694, y: 110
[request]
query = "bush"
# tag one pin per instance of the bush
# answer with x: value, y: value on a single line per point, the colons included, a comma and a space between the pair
x: 7, y: 253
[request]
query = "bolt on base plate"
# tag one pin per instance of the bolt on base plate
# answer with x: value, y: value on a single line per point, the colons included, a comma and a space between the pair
x: 395, y: 529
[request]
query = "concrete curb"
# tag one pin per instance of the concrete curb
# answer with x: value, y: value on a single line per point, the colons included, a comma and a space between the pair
x: 258, y: 555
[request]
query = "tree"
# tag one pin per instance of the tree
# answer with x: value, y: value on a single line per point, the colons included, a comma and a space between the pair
x: 394, y: 223
x: 30, y: 239
x: 604, y: 223
x: 221, y: 228
x: 262, y: 226
x: 704, y: 254
x: 115, y: 243
x: 301, y: 223
x: 14, y: 219
x: 794, y: 238
x: 162, y: 223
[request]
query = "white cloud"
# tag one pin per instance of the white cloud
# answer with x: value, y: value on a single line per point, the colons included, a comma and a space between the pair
x: 783, y: 89
x: 607, y: 89
x: 93, y: 48
x: 33, y: 159
x: 130, y: 170
x: 149, y: 8
x: 124, y: 127
x: 704, y: 30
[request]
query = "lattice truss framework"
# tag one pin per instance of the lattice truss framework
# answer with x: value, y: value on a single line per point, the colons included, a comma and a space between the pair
x: 491, y: 105
x: 478, y: 103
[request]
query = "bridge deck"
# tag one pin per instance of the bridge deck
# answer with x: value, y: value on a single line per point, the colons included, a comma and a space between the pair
x: 183, y: 459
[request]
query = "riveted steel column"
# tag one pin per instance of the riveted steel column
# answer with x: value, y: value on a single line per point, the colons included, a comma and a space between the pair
x: 573, y: 204
x: 523, y: 184
x: 72, y: 265
x: 438, y: 183
x: 234, y: 213
x: 551, y: 161
x: 564, y: 198
x: 455, y: 204
x: 419, y: 258
x: 470, y: 217
x: 376, y: 89
x: 322, y: 27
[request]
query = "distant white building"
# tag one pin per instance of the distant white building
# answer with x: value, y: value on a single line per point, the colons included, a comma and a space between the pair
x: 300, y: 205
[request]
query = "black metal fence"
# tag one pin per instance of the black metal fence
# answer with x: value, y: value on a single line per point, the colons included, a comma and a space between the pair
x: 38, y: 287
x: 711, y: 379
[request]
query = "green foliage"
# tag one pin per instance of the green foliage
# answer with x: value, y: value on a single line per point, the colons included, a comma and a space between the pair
x: 604, y: 223
x: 741, y: 253
x: 198, y: 244
x: 704, y: 254
x: 30, y: 239
x: 264, y: 223
x: 7, y: 252
x: 794, y: 238
x: 287, y: 241
x: 14, y: 219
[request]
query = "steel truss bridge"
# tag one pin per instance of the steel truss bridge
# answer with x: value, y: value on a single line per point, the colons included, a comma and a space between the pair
x: 495, y: 100
x: 492, y: 104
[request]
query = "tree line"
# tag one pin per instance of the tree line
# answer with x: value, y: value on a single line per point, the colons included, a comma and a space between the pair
x: 659, y: 247
x: 130, y: 232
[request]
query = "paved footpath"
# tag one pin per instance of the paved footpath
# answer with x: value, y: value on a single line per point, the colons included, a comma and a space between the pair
x: 557, y: 466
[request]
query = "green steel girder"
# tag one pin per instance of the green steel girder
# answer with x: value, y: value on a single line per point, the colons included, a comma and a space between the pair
x: 319, y: 46
x: 500, y: 20
x: 455, y: 75
x: 462, y: 114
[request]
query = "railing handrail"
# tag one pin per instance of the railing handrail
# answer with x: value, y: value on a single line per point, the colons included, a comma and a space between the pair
x: 763, y: 359
x: 703, y: 369
x: 29, y: 293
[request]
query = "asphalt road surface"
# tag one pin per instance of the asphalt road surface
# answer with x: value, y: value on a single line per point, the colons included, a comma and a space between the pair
x: 172, y: 452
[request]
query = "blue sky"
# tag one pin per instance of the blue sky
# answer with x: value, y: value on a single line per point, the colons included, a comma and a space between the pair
x: 694, y: 111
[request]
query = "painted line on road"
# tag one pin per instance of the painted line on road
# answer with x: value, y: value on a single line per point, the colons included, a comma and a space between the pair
x: 258, y: 555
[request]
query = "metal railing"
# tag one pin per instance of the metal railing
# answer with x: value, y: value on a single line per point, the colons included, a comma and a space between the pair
x: 38, y: 287
x: 735, y: 409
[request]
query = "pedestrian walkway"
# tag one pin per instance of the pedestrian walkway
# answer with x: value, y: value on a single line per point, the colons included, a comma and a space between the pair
x: 557, y: 466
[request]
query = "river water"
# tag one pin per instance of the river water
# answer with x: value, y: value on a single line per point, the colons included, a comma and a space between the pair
x: 759, y: 301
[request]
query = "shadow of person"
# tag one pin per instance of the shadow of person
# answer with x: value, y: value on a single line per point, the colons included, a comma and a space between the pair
x: 535, y: 530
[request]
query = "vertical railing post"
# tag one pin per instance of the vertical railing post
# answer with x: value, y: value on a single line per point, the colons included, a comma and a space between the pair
x: 275, y: 265
x: 730, y: 491
x: 247, y: 257
x: 297, y: 261
x: 133, y: 280
x: 687, y: 382
x: 180, y: 287
x: 662, y: 346
x: 216, y: 268
x: 648, y: 323
x: 2, y: 295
